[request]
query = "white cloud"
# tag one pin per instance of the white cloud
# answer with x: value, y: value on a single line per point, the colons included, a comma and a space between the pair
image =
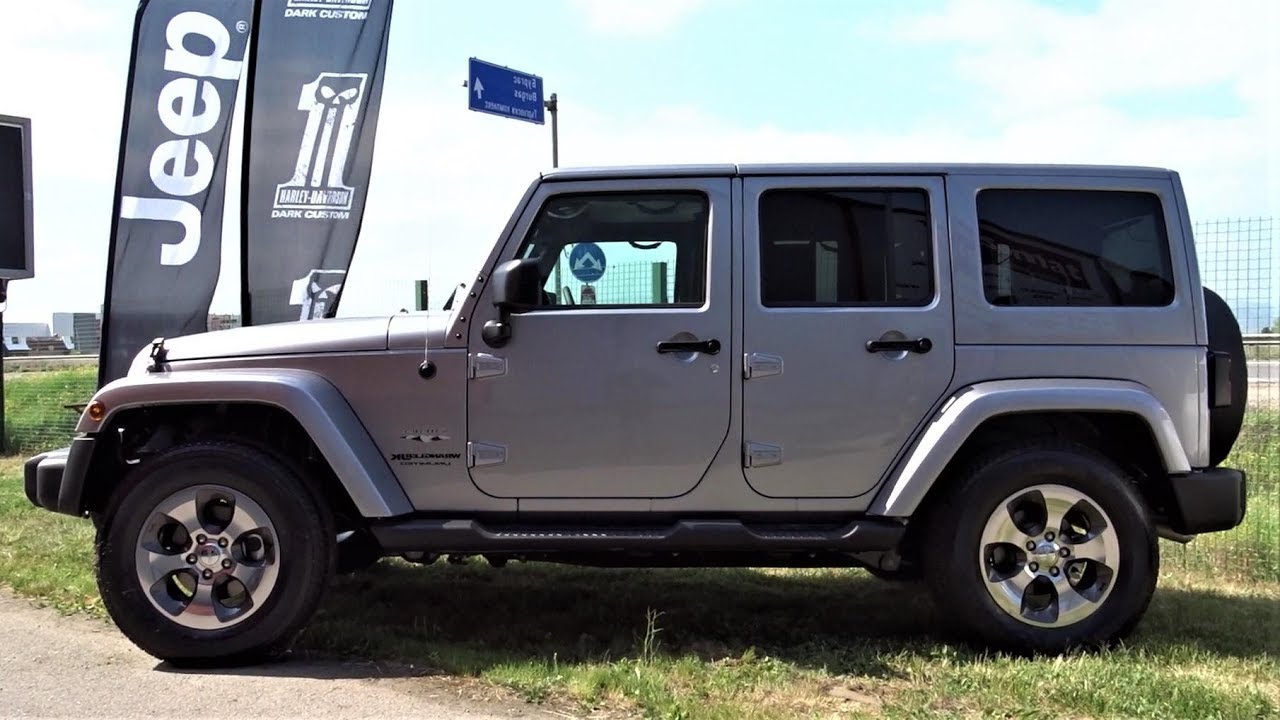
x: 1062, y: 85
x: 64, y: 69
x: 1033, y: 56
x: 635, y: 17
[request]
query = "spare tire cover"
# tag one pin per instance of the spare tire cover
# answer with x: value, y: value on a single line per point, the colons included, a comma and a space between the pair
x: 1224, y: 337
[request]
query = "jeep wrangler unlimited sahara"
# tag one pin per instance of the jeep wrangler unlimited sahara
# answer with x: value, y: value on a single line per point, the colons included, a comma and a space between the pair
x: 1006, y: 381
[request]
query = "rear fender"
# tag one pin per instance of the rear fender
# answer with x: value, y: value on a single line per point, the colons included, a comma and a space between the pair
x: 965, y: 411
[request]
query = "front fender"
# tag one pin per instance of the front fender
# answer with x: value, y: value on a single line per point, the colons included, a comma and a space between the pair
x: 967, y: 409
x: 314, y: 402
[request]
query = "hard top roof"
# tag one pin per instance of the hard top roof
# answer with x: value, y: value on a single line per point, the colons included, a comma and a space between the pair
x: 744, y: 170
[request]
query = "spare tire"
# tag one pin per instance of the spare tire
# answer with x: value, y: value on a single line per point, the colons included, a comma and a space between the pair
x: 1224, y: 337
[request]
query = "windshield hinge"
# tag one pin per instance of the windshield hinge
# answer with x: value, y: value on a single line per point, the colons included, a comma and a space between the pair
x: 159, y: 355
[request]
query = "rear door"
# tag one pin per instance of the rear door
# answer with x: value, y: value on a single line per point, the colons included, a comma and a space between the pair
x: 848, y: 330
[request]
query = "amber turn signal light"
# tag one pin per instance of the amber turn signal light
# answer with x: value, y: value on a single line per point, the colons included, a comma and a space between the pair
x: 96, y: 411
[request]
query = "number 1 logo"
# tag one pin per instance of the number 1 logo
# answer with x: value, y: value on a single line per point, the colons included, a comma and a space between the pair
x: 332, y: 102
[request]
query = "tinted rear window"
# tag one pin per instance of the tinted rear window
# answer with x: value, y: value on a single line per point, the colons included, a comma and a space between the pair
x: 1074, y: 248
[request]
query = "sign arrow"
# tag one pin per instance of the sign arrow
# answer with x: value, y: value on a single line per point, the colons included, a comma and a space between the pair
x: 498, y: 90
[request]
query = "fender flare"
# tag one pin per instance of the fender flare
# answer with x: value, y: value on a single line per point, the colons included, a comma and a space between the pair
x: 966, y: 410
x: 314, y: 402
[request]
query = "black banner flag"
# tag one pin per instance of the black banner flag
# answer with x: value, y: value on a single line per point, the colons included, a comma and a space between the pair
x: 314, y: 93
x: 166, y: 233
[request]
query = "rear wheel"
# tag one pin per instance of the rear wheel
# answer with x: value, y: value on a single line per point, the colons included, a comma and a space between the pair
x: 213, y: 553
x: 1042, y: 548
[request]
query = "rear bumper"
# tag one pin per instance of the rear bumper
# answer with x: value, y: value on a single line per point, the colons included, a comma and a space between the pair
x: 55, y: 480
x: 1208, y: 500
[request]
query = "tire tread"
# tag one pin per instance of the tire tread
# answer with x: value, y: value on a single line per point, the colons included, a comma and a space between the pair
x: 177, y: 647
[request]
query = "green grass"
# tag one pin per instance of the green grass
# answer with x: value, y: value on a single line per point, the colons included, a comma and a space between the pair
x: 728, y: 644
x: 43, y: 555
x: 1253, y: 549
x: 36, y: 418
x: 763, y: 644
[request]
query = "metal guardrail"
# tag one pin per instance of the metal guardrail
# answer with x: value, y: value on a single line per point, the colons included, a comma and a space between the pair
x: 53, y: 360
x: 83, y: 358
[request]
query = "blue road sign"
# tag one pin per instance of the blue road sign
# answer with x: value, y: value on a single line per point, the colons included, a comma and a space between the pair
x: 586, y: 262
x: 502, y: 91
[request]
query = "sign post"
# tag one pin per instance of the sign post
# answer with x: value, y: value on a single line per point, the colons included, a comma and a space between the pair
x: 553, y: 107
x: 498, y: 90
x: 16, y: 220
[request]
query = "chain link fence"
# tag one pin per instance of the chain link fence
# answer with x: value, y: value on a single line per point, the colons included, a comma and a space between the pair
x: 37, y: 393
x: 640, y: 283
x: 1238, y: 259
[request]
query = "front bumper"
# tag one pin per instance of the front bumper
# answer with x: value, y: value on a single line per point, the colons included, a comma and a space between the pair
x: 55, y: 480
x: 1208, y: 500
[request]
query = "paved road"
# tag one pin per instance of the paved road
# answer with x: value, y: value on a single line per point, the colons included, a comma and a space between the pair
x: 1264, y: 370
x: 75, y: 667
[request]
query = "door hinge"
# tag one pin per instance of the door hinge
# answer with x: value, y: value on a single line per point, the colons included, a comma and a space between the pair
x: 758, y: 365
x: 761, y: 455
x: 484, y: 365
x: 480, y: 454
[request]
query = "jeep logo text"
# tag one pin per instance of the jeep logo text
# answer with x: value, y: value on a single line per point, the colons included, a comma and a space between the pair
x: 188, y: 106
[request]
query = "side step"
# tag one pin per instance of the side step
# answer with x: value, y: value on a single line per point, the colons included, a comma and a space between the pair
x: 470, y: 536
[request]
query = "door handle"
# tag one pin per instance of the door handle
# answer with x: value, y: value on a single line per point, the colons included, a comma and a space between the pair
x: 921, y: 346
x: 710, y: 347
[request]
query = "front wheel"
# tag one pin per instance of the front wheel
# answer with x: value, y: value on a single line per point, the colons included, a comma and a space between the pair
x: 1042, y: 548
x: 213, y: 553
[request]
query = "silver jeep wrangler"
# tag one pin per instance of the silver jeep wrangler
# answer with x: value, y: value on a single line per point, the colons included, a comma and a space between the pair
x: 1005, y: 381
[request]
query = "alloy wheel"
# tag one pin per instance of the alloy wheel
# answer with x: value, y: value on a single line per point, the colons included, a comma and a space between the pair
x: 208, y: 557
x: 1049, y: 555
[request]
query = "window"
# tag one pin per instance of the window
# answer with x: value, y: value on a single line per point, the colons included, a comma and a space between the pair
x: 1074, y: 248
x: 845, y: 247
x: 622, y: 249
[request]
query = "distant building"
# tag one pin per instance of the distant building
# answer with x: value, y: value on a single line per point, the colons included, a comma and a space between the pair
x: 51, y: 345
x: 223, y: 322
x: 20, y: 337
x: 83, y: 330
x: 87, y: 335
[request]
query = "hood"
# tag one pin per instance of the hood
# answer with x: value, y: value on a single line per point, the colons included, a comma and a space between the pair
x: 294, y: 338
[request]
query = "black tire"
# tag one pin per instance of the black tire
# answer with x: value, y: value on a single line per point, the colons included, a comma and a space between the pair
x: 306, y: 562
x: 954, y: 533
x: 1224, y: 337
x: 359, y: 551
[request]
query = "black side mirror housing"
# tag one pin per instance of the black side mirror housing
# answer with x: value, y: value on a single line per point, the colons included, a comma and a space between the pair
x: 517, y: 286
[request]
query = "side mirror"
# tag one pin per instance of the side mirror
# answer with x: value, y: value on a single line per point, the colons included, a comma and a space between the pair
x: 517, y: 286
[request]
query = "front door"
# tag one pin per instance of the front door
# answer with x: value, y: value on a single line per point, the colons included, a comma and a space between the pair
x: 847, y: 328
x: 617, y: 385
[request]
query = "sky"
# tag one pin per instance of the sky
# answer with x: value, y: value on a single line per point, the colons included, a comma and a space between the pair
x: 1184, y: 84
